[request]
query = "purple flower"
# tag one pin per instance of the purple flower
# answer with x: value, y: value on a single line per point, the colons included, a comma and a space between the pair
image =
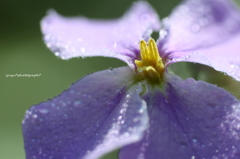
x: 143, y: 109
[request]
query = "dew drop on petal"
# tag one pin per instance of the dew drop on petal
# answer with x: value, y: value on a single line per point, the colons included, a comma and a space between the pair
x: 57, y: 54
x: 203, y: 21
x: 44, y: 111
x: 120, y: 117
x: 76, y: 103
x: 140, y: 111
x: 115, y: 45
x: 195, y: 28
x: 144, y: 17
x: 126, y: 134
x: 183, y: 145
x: 83, y: 49
x: 162, y: 33
x: 194, y: 140
x: 135, y: 119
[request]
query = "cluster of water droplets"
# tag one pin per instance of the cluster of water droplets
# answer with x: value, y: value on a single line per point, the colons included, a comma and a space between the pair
x: 197, y: 19
x: 192, y: 57
x: 125, y: 128
x: 234, y: 68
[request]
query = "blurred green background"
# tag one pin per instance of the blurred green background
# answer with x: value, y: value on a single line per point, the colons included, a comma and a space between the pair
x: 22, y: 51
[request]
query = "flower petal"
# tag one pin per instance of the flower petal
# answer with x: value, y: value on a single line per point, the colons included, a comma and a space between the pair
x: 200, y: 23
x: 193, y: 119
x: 119, y: 38
x: 224, y: 57
x: 206, y: 32
x: 97, y: 114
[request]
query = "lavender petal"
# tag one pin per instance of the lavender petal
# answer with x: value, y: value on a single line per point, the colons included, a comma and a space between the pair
x: 206, y: 32
x: 192, y: 119
x: 118, y: 38
x: 96, y: 115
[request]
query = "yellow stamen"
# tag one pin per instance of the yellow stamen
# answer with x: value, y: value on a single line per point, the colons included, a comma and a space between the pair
x: 150, y: 66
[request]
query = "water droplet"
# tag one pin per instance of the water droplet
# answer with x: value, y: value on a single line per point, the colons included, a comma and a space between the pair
x: 144, y: 17
x: 187, y: 57
x: 76, y: 103
x: 40, y: 151
x: 129, y: 62
x: 122, y: 111
x: 83, y: 49
x: 203, y: 21
x: 195, y: 28
x: 162, y: 33
x: 120, y: 117
x: 126, y: 134
x: 48, y: 45
x: 194, y: 140
x: 183, y: 8
x: 140, y: 111
x: 63, y: 57
x: 115, y: 45
x: 44, y: 111
x: 232, y: 66
x: 183, y: 144
x: 135, y: 119
x: 57, y: 54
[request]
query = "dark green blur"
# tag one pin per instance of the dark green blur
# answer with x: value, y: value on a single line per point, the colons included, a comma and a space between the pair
x: 22, y: 51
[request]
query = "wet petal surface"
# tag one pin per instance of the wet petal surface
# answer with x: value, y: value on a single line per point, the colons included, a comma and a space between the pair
x: 206, y: 32
x: 192, y: 120
x: 119, y: 38
x: 97, y: 114
x: 200, y: 23
x: 224, y: 57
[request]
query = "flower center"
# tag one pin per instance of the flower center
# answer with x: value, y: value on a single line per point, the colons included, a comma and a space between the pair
x: 150, y: 66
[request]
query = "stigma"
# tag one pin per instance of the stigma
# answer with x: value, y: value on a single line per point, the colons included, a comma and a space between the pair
x: 150, y: 66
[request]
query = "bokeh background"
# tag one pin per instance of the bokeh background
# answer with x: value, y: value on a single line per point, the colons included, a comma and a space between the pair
x: 22, y: 51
